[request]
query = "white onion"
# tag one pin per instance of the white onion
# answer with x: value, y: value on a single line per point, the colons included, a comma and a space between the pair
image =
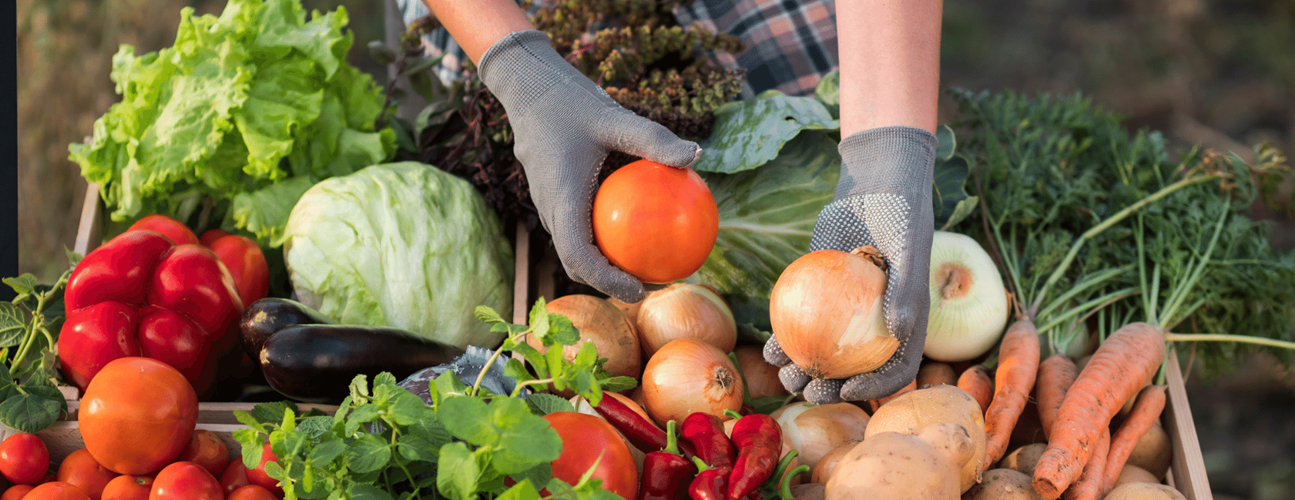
x: 969, y: 307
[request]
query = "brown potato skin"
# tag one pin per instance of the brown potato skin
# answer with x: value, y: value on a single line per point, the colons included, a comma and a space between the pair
x: 1153, y: 452
x: 942, y: 403
x: 1144, y: 491
x: 1003, y: 484
x: 894, y: 465
x: 1134, y: 474
x: 1023, y: 459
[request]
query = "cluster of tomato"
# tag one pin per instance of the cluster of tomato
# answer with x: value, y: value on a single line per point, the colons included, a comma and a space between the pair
x: 159, y: 291
x: 139, y: 423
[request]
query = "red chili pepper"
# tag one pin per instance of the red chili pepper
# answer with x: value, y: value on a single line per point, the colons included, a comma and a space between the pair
x: 644, y: 434
x: 664, y: 471
x: 710, y: 483
x: 759, y: 444
x: 140, y: 294
x: 706, y: 433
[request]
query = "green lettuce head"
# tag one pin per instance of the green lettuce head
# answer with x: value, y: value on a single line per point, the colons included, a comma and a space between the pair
x: 404, y: 245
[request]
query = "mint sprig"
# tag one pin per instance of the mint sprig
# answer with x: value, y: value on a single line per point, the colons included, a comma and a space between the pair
x: 29, y: 397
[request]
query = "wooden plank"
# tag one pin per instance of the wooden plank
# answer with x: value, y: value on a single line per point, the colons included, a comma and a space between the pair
x: 521, y: 274
x: 1187, y: 470
x: 90, y: 230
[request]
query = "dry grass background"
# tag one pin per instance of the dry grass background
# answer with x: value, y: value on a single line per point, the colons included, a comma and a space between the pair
x: 1217, y: 73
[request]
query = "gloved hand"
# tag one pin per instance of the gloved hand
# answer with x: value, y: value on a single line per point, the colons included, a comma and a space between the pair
x: 883, y: 198
x: 564, y: 126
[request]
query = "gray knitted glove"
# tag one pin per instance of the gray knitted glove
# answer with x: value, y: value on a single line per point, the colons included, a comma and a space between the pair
x: 565, y: 125
x: 883, y: 198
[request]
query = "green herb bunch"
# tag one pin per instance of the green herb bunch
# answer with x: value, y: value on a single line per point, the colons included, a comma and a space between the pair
x: 29, y: 397
x: 1095, y: 227
x: 384, y: 442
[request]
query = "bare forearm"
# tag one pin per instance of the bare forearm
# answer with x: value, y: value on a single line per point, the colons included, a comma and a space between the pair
x: 890, y: 63
x: 478, y: 24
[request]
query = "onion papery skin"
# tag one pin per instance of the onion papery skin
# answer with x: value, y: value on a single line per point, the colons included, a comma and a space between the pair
x: 685, y: 310
x: 761, y: 378
x: 603, y: 324
x: 686, y: 376
x: 826, y: 312
x: 969, y: 308
x: 816, y: 430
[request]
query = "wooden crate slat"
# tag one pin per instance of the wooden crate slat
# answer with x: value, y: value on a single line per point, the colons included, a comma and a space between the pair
x: 1188, y: 465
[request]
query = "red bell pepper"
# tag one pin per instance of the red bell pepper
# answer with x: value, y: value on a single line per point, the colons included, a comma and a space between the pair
x: 142, y: 295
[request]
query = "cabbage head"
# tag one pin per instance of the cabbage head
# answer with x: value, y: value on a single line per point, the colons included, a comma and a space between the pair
x: 404, y: 245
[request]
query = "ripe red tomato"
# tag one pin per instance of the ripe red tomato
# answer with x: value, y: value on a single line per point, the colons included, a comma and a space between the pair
x: 655, y: 222
x: 24, y: 459
x: 185, y: 481
x: 258, y: 476
x: 206, y: 449
x: 17, y: 492
x: 252, y: 492
x: 211, y: 235
x: 584, y: 438
x: 245, y: 262
x: 128, y: 488
x: 234, y: 477
x: 137, y: 415
x: 56, y: 490
x: 81, y: 470
x: 171, y: 228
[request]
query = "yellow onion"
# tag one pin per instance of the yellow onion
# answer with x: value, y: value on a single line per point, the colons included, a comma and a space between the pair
x: 686, y: 376
x: 826, y: 312
x: 760, y: 376
x: 685, y: 310
x: 815, y: 430
x: 603, y: 324
x: 968, y: 301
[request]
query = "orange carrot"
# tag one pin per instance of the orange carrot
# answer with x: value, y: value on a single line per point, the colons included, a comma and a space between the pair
x: 935, y: 373
x: 1121, y: 366
x: 1089, y: 485
x: 1055, y: 376
x: 977, y: 382
x: 876, y: 403
x: 1146, y: 411
x: 1018, y: 363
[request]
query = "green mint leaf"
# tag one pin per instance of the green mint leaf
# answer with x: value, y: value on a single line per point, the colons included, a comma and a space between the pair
x: 326, y: 451
x: 618, y: 384
x: 73, y: 258
x: 587, y: 356
x: 523, y: 490
x: 250, y: 421
x: 360, y: 491
x: 562, y: 331
x: 384, y: 378
x: 289, y: 422
x: 544, y: 404
x: 535, y: 358
x: 587, y: 386
x: 486, y: 314
x: 466, y: 418
x: 274, y: 470
x: 448, y: 384
x: 504, y: 328
x: 359, y: 416
x: 31, y: 413
x: 431, y: 430
x: 360, y: 388
x: 249, y: 440
x: 540, y: 326
x: 316, y: 427
x: 540, y: 474
x: 524, y: 440
x: 271, y: 413
x: 517, y: 371
x: 457, y: 472
x: 561, y: 490
x: 367, y: 454
x: 416, y: 448
x: 24, y: 284
x: 13, y: 325
x: 403, y: 408
x: 558, y: 366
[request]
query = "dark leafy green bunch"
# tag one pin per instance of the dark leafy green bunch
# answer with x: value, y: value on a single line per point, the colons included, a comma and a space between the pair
x: 29, y: 397
x: 384, y: 442
x: 1096, y: 227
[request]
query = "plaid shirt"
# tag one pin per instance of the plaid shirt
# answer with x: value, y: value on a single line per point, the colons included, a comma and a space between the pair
x: 788, y: 45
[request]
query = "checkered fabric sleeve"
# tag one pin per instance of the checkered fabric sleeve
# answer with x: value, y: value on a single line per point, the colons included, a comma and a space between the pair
x: 788, y: 45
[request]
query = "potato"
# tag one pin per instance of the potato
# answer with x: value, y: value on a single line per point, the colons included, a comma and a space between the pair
x: 939, y: 404
x: 1144, y: 491
x: 1023, y: 459
x: 823, y: 469
x: 1003, y: 484
x: 1153, y: 452
x: 1135, y: 474
x: 897, y: 465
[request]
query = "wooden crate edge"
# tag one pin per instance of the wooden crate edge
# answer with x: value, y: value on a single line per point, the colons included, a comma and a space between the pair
x: 1187, y: 469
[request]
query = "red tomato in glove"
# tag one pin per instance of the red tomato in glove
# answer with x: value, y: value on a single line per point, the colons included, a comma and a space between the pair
x: 175, y: 230
x: 24, y: 459
x: 245, y: 262
x: 185, y: 481
x: 175, y: 303
x: 584, y: 439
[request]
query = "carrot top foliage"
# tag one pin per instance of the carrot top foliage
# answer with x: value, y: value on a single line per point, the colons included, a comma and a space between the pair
x: 1098, y: 226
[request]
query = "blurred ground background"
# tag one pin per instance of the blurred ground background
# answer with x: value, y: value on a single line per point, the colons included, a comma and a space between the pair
x: 1214, y: 73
